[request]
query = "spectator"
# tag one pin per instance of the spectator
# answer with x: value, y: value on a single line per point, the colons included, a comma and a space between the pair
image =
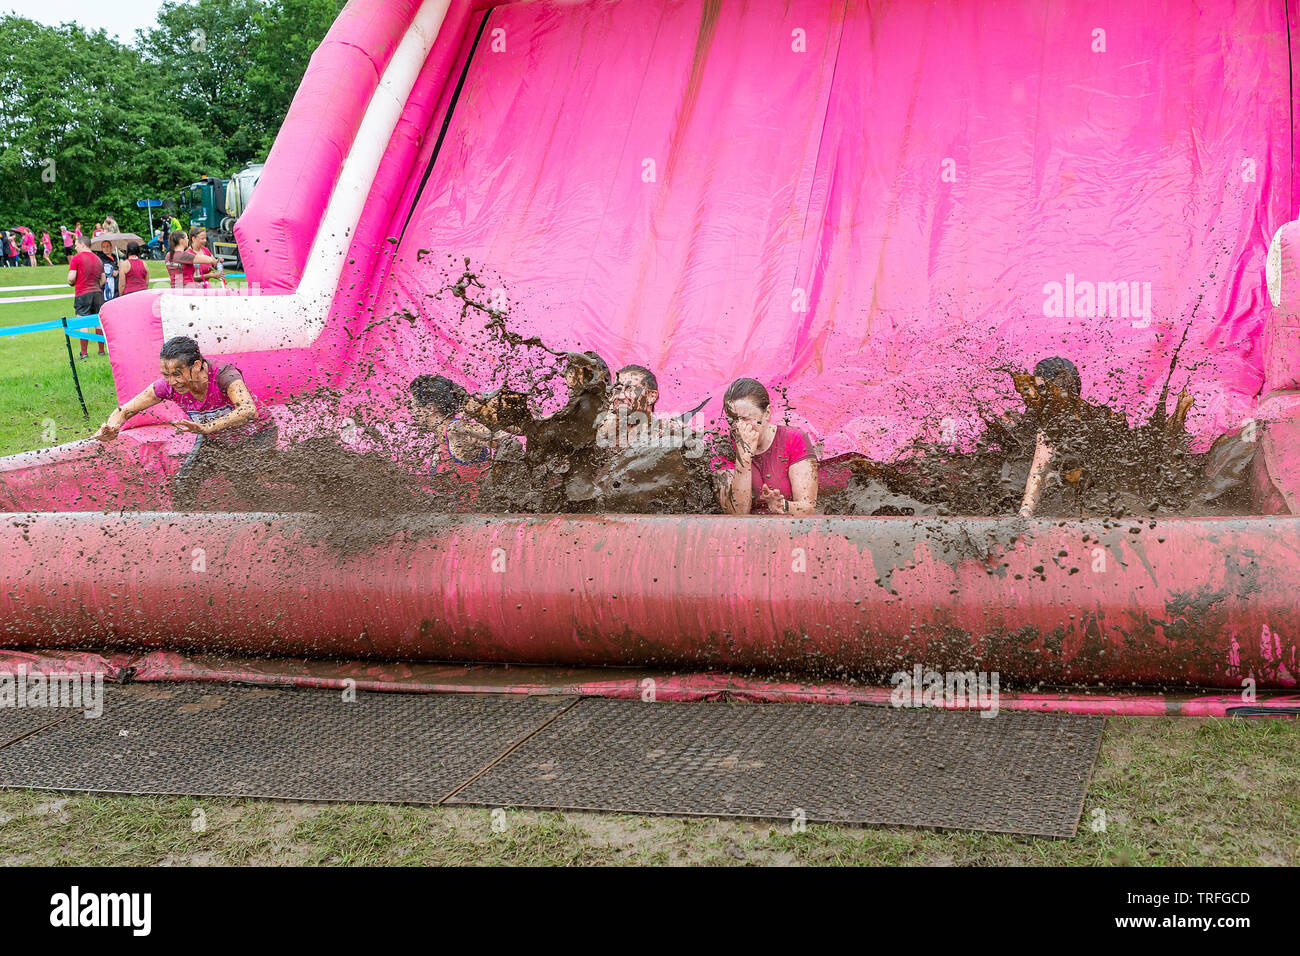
x: 86, y: 276
x: 202, y: 261
x: 109, y: 258
x: 178, y: 247
x: 12, y: 251
x: 181, y: 260
x: 68, y: 240
x: 76, y: 232
x: 46, y: 246
x: 4, y: 248
x: 29, y: 247
x: 110, y: 224
x: 134, y: 273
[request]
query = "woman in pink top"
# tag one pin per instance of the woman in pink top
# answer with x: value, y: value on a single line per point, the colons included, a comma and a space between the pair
x: 215, y: 401
x: 776, y: 466
x: 203, y: 261
x: 46, y: 246
x: 29, y: 247
x: 134, y: 273
x: 181, y: 259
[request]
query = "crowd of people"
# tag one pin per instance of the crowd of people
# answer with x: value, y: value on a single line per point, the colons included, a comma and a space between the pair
x: 20, y: 247
x: 772, y: 468
x: 109, y: 264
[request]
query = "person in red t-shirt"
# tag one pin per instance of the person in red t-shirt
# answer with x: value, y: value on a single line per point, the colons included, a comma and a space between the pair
x: 86, y: 276
x: 134, y: 275
x: 776, y: 466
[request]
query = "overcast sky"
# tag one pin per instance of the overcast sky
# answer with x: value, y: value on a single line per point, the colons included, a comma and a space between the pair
x: 120, y: 19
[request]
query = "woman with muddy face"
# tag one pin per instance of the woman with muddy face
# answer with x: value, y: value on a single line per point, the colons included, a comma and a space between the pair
x: 1063, y: 374
x: 776, y: 468
x: 631, y: 416
x: 215, y: 401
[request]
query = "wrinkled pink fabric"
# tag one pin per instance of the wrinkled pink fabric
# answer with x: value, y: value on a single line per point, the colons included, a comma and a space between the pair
x: 874, y: 222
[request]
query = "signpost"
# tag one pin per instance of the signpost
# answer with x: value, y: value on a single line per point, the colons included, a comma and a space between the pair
x: 149, y: 204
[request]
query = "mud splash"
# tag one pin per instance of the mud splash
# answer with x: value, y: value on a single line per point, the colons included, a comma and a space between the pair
x: 542, y: 427
x: 1101, y: 466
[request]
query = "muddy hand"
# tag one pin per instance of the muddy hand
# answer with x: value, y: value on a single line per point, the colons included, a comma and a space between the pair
x: 185, y: 425
x: 106, y: 432
x: 774, y: 500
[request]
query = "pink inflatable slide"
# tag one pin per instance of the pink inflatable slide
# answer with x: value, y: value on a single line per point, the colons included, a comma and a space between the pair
x: 874, y: 206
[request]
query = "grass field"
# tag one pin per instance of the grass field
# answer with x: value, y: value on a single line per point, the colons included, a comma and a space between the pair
x: 36, y: 389
x: 1171, y: 791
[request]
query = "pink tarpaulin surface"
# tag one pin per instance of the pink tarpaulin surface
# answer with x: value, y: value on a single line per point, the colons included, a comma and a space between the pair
x: 646, y: 685
x: 874, y: 205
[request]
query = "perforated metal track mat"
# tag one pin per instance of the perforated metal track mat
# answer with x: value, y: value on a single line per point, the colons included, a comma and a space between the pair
x: 1017, y: 772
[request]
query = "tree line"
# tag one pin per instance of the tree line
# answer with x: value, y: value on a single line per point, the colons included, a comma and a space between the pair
x: 89, y: 125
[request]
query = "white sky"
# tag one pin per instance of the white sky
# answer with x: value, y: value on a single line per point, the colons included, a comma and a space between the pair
x: 120, y: 18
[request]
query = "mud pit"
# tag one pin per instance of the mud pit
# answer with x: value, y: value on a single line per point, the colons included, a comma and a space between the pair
x: 546, y: 463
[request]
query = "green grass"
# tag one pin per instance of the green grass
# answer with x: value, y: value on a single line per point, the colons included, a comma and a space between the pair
x: 1174, y: 791
x: 36, y: 389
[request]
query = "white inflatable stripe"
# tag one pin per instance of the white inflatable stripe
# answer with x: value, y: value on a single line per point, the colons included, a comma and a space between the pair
x: 254, y: 323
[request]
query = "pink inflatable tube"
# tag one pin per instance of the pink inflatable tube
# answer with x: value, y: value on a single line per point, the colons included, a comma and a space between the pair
x: 870, y: 206
x: 1182, y: 602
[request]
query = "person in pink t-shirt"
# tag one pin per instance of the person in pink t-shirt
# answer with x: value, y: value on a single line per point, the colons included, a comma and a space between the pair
x: 134, y: 273
x: 775, y: 471
x: 214, y: 400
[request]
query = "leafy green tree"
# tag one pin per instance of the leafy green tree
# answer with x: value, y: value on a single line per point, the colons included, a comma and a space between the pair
x: 89, y: 127
x: 239, y: 63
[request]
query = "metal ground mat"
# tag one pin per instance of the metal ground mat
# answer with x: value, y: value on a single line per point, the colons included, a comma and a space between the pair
x: 221, y: 740
x: 1018, y: 772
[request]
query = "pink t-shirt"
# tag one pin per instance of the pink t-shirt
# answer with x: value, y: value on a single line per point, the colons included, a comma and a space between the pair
x: 772, y: 468
x: 88, y: 269
x: 215, y: 397
x: 135, y: 276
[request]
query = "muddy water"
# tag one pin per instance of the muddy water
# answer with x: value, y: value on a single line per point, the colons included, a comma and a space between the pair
x: 1101, y: 466
x: 552, y: 462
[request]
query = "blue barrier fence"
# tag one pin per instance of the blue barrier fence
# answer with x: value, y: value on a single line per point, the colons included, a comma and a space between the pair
x: 68, y: 325
x: 72, y: 329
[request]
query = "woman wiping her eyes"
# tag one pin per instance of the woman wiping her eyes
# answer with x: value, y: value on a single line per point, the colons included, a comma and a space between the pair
x: 776, y: 466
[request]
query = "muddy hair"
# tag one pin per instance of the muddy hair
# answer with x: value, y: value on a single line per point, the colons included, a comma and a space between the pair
x: 647, y: 376
x: 440, y: 392
x: 183, y: 349
x: 750, y: 388
x: 1060, y: 372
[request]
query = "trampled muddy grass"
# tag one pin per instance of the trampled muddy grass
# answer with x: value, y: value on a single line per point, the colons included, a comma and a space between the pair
x: 1166, y: 791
